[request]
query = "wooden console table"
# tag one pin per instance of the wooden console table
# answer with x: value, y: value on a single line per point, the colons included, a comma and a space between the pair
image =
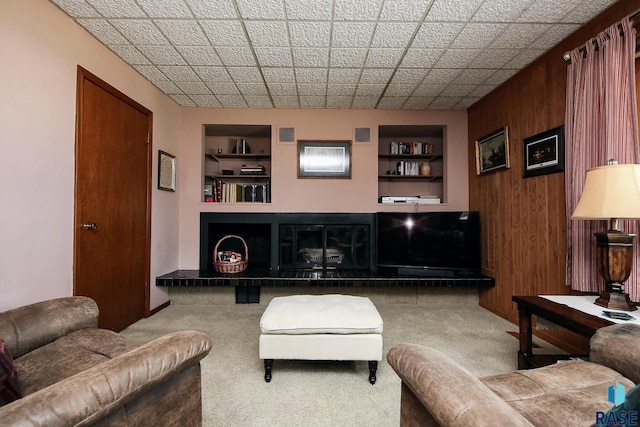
x: 560, y: 314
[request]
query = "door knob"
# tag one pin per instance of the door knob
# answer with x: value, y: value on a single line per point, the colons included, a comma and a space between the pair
x: 89, y: 226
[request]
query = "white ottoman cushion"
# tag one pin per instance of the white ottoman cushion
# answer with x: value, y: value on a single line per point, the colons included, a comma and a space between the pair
x: 320, y: 314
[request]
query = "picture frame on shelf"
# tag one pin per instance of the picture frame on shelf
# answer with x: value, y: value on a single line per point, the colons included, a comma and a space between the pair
x: 492, y: 152
x: 324, y: 159
x: 544, y: 153
x: 166, y: 171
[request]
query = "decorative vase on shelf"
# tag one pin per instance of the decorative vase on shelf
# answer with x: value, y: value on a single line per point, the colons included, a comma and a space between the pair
x: 425, y: 169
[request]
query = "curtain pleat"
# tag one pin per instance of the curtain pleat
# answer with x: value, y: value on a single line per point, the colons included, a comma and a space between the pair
x: 601, y: 123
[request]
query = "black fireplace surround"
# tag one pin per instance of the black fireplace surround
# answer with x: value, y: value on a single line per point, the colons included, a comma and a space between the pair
x: 289, y: 249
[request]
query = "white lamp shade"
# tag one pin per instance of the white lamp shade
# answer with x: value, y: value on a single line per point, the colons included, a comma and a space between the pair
x: 610, y: 192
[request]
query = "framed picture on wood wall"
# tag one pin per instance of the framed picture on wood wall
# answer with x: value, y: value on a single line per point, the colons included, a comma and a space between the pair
x: 492, y: 152
x: 324, y: 159
x: 544, y: 153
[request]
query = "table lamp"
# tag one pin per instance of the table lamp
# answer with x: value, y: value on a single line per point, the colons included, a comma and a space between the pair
x: 612, y: 192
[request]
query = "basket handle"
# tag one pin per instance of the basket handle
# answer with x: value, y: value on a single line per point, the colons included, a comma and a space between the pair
x: 230, y: 236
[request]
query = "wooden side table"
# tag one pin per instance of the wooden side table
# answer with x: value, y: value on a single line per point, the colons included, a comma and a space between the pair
x: 560, y: 314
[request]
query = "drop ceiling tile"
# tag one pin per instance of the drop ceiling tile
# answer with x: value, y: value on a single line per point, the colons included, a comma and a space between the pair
x: 456, y: 11
x: 409, y: 75
x: 473, y: 76
x: 392, y: 103
x: 152, y: 73
x: 524, y: 58
x: 245, y: 75
x: 312, y: 101
x: 286, y: 101
x: 310, y: 34
x: 384, y: 57
x: 248, y: 89
x: 393, y: 34
x: 179, y: 73
x: 404, y: 10
x: 274, y: 56
x: 212, y: 9
x: 444, y: 103
x: 303, y: 9
x: 103, y: 31
x: 279, y: 75
x: 77, y: 9
x: 365, y: 102
x: 356, y: 10
x: 376, y: 75
x: 519, y: 36
x: 162, y: 55
x: 165, y: 8
x: 457, y: 58
x: 232, y: 101
x: 236, y: 56
x: 199, y: 55
x: 500, y: 76
x: 183, y: 100
x: 193, y: 88
x: 436, y: 34
x: 307, y: 89
x: 352, y: 34
x: 169, y: 88
x: 481, y: 90
x: 500, y: 10
x: 352, y: 58
x: 117, y: 8
x: 313, y: 57
x: 587, y: 10
x: 459, y: 89
x: 368, y: 90
x: 225, y: 33
x: 339, y: 101
x: 205, y: 101
x: 477, y: 35
x: 213, y: 74
x: 312, y: 75
x: 257, y: 101
x: 344, y: 75
x: 263, y: 9
x: 494, y: 58
x: 424, y: 58
x: 130, y: 54
x: 267, y: 33
x: 441, y: 76
x: 223, y: 88
x: 282, y: 89
x: 466, y: 103
x: 183, y: 33
x: 418, y: 102
x: 554, y: 35
x: 547, y: 10
x: 140, y: 32
x: 429, y: 90
x: 397, y: 89
x: 338, y: 90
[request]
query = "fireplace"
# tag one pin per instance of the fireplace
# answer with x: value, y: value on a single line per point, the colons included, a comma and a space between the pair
x: 292, y: 241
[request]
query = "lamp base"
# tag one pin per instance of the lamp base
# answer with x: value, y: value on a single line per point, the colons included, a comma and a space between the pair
x: 615, y: 301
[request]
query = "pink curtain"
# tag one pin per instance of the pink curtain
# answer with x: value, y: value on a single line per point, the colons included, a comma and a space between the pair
x: 601, y: 123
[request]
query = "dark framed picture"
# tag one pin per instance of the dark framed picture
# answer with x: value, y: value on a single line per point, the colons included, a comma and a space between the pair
x: 324, y: 159
x: 166, y: 171
x: 492, y: 152
x: 544, y: 153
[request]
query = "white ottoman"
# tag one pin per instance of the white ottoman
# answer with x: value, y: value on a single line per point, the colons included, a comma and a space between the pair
x: 321, y: 327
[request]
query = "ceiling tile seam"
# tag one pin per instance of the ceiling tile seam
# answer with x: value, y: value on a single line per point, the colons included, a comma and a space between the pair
x: 293, y: 67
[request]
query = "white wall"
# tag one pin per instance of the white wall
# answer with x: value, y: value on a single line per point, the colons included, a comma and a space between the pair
x: 41, y: 49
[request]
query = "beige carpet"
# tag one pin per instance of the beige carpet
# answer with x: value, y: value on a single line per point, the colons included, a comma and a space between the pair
x: 305, y: 394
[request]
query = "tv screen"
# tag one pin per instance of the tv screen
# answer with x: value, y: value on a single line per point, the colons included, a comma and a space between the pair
x: 440, y: 241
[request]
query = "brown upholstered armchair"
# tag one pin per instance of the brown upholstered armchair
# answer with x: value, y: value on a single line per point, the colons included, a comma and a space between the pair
x: 436, y: 391
x: 72, y: 373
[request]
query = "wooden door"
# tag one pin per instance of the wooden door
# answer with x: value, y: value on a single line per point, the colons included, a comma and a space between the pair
x: 112, y: 202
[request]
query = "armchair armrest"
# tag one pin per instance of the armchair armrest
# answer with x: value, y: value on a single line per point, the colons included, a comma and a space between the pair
x: 90, y: 395
x: 26, y: 328
x: 450, y: 393
x: 617, y: 347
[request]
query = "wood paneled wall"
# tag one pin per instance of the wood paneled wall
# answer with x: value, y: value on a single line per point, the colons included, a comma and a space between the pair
x: 524, y: 220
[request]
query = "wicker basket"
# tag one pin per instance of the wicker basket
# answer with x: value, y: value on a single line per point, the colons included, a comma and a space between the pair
x: 230, y: 266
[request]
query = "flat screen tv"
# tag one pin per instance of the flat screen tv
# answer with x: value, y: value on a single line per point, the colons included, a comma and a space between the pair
x: 444, y: 244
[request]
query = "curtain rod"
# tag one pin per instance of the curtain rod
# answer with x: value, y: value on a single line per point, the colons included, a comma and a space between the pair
x: 632, y: 17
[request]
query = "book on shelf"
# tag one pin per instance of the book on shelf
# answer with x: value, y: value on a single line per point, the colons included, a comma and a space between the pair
x: 410, y: 148
x: 252, y: 170
x: 419, y: 200
x: 231, y: 192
